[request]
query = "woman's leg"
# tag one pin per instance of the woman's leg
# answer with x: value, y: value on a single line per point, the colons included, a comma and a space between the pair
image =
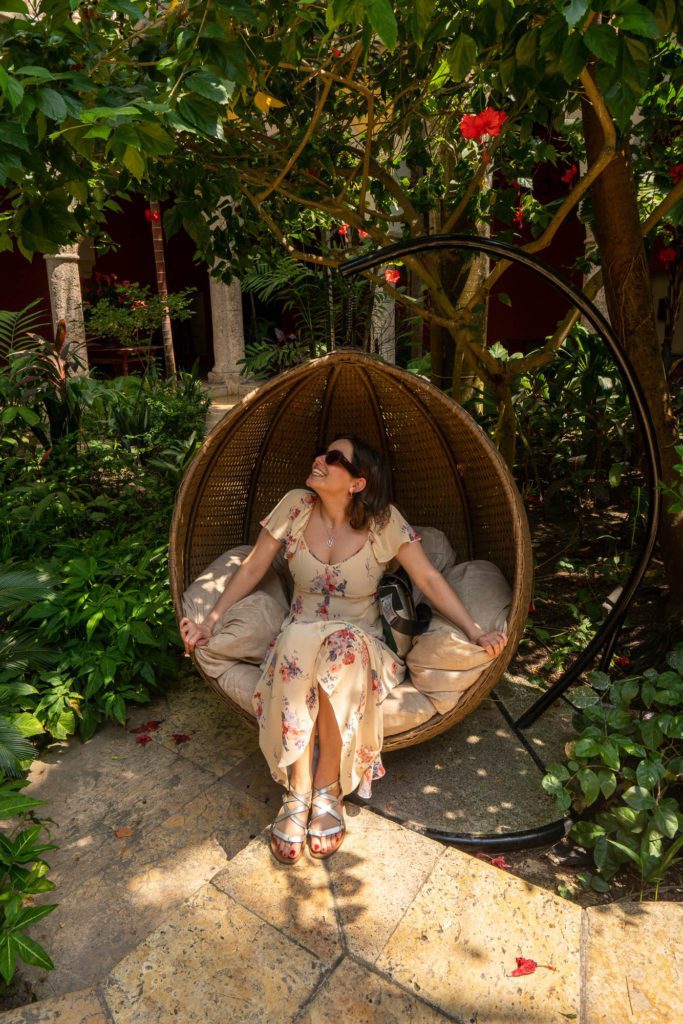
x: 301, y: 781
x: 327, y: 768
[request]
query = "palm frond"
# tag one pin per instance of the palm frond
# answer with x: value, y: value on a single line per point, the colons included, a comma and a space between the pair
x: 20, y: 585
x: 22, y: 652
x: 17, y: 327
x: 14, y: 747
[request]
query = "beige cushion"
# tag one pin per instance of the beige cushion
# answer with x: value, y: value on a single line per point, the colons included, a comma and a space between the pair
x: 238, y: 682
x: 442, y: 663
x: 201, y: 596
x: 436, y: 546
x: 404, y: 708
x: 242, y: 633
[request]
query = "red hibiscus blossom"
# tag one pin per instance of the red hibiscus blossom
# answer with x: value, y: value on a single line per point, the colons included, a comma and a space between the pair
x: 391, y: 275
x: 622, y: 662
x: 667, y: 255
x: 336, y: 53
x: 525, y: 966
x: 568, y: 176
x: 152, y: 215
x: 676, y: 173
x: 362, y: 234
x: 489, y: 122
x: 343, y: 230
x: 518, y: 219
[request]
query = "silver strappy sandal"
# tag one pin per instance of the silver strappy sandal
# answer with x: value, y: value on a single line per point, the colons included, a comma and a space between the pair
x: 323, y: 803
x: 292, y: 804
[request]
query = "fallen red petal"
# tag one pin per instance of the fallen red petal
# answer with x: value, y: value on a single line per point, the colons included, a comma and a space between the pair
x: 180, y: 737
x: 499, y: 862
x: 525, y: 966
x: 143, y: 739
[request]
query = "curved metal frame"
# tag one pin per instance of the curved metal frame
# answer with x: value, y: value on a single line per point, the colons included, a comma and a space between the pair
x: 609, y: 630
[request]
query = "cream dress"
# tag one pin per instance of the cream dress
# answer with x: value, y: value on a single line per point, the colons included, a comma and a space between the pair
x: 332, y: 637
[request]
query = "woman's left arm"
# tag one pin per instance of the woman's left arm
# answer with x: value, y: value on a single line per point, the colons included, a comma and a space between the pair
x: 441, y: 595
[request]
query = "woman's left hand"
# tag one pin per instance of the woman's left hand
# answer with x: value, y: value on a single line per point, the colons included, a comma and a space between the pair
x: 493, y: 642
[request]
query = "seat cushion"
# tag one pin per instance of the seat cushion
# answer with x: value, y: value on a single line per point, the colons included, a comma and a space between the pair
x: 243, y: 633
x: 201, y: 596
x: 442, y: 663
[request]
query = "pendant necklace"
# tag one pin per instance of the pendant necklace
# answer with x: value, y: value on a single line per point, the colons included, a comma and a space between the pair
x: 330, y: 537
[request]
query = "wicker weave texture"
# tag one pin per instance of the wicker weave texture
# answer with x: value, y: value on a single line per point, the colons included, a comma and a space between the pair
x: 446, y: 473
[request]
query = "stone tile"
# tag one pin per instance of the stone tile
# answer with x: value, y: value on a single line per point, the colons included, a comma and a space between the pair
x: 550, y: 732
x: 253, y: 776
x: 110, y: 782
x: 219, y: 738
x: 296, y: 899
x: 353, y: 993
x: 457, y: 945
x: 139, y: 881
x: 476, y: 778
x: 76, y: 1008
x: 212, y: 961
x: 375, y: 876
x: 633, y: 963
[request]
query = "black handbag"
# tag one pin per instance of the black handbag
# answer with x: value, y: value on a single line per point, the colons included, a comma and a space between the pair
x: 401, y: 620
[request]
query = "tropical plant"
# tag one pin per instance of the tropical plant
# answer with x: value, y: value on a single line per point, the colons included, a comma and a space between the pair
x: 626, y: 764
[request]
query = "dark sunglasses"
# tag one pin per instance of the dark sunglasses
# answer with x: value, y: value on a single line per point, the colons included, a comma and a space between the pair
x: 335, y: 458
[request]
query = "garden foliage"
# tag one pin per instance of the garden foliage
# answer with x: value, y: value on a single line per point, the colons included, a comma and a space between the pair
x: 626, y: 766
x: 86, y: 620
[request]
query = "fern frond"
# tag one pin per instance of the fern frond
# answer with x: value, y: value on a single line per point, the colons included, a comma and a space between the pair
x: 17, y: 328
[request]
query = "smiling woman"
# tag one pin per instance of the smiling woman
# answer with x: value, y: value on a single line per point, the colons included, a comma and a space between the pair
x: 327, y: 672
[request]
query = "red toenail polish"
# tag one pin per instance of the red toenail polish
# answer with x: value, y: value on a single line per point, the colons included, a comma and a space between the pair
x: 316, y: 847
x: 292, y: 853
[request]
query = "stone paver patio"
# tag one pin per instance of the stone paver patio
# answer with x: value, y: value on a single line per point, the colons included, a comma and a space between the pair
x: 184, y: 916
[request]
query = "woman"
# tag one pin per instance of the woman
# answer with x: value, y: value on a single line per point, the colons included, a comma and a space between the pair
x: 328, y: 670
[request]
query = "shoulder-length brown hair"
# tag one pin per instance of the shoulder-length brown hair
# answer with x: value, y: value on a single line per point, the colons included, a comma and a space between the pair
x: 372, y: 503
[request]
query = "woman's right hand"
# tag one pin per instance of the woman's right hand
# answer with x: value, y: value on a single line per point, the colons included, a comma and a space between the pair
x: 193, y: 633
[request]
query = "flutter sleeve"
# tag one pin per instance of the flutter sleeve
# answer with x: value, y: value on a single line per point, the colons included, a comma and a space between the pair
x: 287, y: 521
x: 386, y: 540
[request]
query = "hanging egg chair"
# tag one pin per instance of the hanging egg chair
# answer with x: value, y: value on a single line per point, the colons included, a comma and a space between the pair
x: 446, y: 474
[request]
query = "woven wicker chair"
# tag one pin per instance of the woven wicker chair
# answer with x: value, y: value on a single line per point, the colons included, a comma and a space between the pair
x: 446, y: 473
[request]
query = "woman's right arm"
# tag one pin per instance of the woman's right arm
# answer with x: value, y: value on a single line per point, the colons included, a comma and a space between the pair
x: 248, y: 576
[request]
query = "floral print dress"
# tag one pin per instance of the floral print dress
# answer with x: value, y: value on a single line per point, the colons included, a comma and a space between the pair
x: 331, y: 638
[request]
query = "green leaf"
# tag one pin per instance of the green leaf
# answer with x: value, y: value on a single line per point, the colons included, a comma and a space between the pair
x: 590, y: 785
x: 651, y: 733
x: 134, y: 161
x: 586, y: 747
x: 609, y: 753
x: 638, y: 798
x: 599, y: 680
x: 15, y: 803
x: 92, y: 623
x: 666, y: 820
x: 675, y: 660
x: 608, y: 782
x: 31, y: 952
x: 13, y: 7
x: 211, y: 87
x: 573, y: 57
x: 639, y: 20
x: 29, y: 915
x: 142, y: 633
x: 648, y: 774
x: 574, y: 11
x: 583, y: 697
x: 421, y: 17
x: 525, y: 51
x: 461, y: 56
x: 603, y: 41
x: 381, y: 16
x: 7, y: 957
x: 51, y: 104
x: 11, y: 88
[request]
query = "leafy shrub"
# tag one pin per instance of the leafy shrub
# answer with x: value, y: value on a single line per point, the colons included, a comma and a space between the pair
x: 627, y: 764
x: 20, y: 848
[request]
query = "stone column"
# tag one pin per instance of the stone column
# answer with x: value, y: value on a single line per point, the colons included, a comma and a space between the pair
x: 228, y: 336
x: 65, y: 297
x: 383, y: 330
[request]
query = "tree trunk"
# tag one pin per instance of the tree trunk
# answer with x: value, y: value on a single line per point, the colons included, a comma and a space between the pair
x: 162, y: 287
x: 629, y: 300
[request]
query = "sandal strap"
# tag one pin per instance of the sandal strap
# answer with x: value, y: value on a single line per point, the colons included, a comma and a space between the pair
x: 292, y: 804
x: 323, y: 797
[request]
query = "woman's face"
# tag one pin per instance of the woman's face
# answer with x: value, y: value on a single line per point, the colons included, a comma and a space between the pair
x: 335, y: 480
